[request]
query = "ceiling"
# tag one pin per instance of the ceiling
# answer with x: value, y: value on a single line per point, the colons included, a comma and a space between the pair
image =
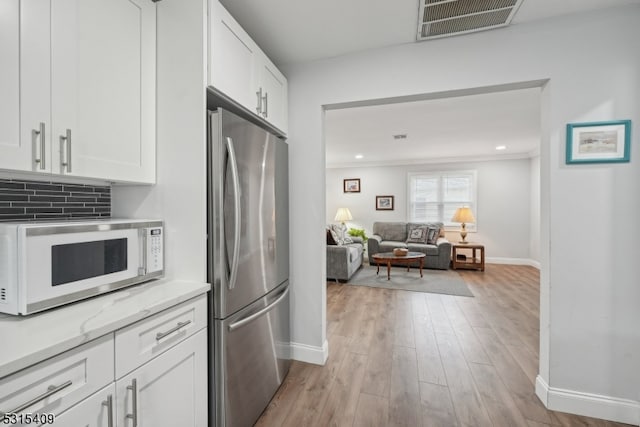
x: 448, y: 129
x: 460, y: 128
x: 292, y: 31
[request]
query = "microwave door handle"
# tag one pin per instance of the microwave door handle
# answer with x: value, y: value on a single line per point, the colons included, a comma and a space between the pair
x: 236, y: 213
x: 142, y: 270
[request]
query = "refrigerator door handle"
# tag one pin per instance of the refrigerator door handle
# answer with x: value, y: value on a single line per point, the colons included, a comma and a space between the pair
x: 236, y: 214
x: 232, y: 327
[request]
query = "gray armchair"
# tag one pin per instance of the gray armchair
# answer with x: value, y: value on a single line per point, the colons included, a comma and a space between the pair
x: 344, y: 260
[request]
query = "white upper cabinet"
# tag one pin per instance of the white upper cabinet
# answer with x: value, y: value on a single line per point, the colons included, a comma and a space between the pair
x: 274, y: 97
x: 232, y: 58
x: 14, y: 152
x: 103, y: 88
x: 87, y: 89
x: 240, y: 69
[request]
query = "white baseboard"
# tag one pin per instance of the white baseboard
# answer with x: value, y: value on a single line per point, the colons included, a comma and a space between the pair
x: 309, y: 353
x: 587, y: 404
x: 513, y: 261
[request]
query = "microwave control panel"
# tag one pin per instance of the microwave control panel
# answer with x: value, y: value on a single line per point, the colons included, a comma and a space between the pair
x: 155, y: 249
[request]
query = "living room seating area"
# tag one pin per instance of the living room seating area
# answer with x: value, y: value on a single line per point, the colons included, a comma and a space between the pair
x: 427, y: 238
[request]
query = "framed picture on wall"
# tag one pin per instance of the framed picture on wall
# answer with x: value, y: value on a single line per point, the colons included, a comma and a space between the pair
x: 384, y: 203
x: 351, y: 185
x: 598, y: 142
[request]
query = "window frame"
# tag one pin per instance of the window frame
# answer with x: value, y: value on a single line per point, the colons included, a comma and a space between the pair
x: 473, y: 203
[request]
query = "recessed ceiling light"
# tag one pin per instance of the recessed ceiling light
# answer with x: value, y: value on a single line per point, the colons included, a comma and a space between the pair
x: 359, y: 156
x: 400, y: 136
x: 501, y: 147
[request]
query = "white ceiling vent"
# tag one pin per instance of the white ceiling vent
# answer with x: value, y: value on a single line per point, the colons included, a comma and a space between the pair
x: 442, y: 18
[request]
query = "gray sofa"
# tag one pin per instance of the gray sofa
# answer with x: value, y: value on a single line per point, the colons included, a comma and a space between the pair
x: 344, y: 260
x: 389, y: 235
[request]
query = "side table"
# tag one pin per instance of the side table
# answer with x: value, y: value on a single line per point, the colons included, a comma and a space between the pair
x: 473, y: 260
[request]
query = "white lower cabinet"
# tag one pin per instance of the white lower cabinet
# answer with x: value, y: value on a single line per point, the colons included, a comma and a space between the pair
x: 95, y: 385
x: 168, y: 391
x: 95, y: 411
x: 59, y: 383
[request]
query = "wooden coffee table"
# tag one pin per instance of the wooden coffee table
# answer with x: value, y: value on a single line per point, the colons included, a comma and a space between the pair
x: 388, y: 258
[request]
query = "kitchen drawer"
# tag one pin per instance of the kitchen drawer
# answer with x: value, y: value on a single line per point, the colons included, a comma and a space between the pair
x: 58, y: 383
x: 144, y: 340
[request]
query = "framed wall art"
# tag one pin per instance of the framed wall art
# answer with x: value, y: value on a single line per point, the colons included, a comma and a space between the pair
x: 599, y: 142
x: 384, y: 203
x: 351, y: 185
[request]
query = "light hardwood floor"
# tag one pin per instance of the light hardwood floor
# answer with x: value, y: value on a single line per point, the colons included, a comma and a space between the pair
x: 400, y: 358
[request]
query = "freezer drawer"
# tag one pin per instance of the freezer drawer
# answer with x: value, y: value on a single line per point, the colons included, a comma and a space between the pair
x: 252, y: 358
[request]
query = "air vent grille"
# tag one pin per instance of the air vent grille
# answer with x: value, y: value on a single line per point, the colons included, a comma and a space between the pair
x: 452, y: 17
x: 3, y: 294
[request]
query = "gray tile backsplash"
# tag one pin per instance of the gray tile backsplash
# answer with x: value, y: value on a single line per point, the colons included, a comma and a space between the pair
x: 22, y: 200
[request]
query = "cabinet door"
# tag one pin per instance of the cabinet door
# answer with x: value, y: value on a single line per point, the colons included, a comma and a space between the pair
x: 12, y: 153
x: 24, y: 85
x: 274, y: 88
x: 94, y: 411
x: 232, y: 58
x: 168, y: 391
x: 103, y: 88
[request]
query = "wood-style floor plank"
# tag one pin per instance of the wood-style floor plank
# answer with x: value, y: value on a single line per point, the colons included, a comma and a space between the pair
x: 429, y: 364
x: 404, y: 400
x: 399, y: 358
x: 437, y: 408
x: 340, y: 409
x: 468, y: 405
x: 372, y: 411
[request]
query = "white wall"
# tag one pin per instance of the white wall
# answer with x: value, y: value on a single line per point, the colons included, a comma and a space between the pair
x: 503, y: 210
x: 590, y: 340
x: 179, y: 197
x: 534, y: 205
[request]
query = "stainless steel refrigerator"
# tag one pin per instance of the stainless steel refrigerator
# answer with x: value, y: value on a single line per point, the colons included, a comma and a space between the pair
x: 248, y: 252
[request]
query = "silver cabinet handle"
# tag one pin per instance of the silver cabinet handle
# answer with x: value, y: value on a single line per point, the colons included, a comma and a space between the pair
x: 134, y: 402
x: 109, y: 404
x: 232, y: 327
x: 259, y: 107
x: 42, y: 160
x: 179, y: 326
x: 265, y: 112
x: 237, y: 208
x: 52, y: 389
x: 65, y: 161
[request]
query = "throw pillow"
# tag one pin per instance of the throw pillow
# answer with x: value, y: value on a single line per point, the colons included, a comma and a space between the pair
x: 432, y: 236
x: 417, y: 234
x: 331, y: 239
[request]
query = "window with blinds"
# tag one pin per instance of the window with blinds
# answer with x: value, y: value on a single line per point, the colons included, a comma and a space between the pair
x: 435, y: 196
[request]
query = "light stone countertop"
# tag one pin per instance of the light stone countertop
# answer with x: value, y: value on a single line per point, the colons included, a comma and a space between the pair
x: 27, y: 340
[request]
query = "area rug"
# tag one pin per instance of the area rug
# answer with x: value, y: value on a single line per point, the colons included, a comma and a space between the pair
x: 434, y: 281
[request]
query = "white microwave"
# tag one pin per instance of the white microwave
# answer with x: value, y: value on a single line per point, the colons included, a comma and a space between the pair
x: 47, y: 264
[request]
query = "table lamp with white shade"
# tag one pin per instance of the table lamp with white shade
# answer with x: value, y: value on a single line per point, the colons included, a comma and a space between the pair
x: 464, y: 216
x: 343, y: 215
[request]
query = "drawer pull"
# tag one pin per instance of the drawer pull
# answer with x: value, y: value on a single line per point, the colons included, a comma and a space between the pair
x: 52, y: 389
x: 134, y: 402
x: 109, y: 404
x: 180, y: 325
